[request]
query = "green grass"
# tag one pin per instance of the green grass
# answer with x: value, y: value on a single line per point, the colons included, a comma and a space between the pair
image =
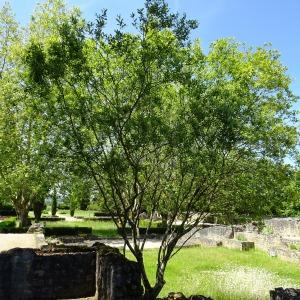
x: 225, y: 274
x: 78, y: 213
x: 100, y: 228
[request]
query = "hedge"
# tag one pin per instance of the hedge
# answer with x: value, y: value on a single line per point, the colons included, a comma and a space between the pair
x: 67, y: 230
x: 7, y: 212
x: 152, y: 230
x: 7, y: 225
x: 101, y: 214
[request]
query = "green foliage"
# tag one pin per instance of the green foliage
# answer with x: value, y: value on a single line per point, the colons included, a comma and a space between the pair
x: 144, y: 121
x: 7, y: 224
x: 60, y: 231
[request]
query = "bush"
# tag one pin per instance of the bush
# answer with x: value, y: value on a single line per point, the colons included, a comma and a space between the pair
x: 63, y: 206
x: 7, y: 212
x: 67, y: 230
x: 8, y: 224
x: 101, y: 214
x: 151, y: 230
x: 14, y: 230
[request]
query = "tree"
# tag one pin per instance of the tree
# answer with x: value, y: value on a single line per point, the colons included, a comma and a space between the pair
x: 54, y: 203
x: 159, y: 125
x: 26, y: 147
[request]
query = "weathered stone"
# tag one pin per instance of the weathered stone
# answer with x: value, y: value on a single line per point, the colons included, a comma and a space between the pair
x: 180, y: 296
x: 176, y: 296
x: 272, y: 252
x: 36, y: 228
x: 285, y: 227
x: 216, y: 232
x: 68, y: 273
x: 46, y: 275
x: 264, y: 241
x: 118, y: 278
x: 199, y: 297
x: 240, y: 245
x: 289, y: 255
x: 285, y: 294
x: 209, y: 242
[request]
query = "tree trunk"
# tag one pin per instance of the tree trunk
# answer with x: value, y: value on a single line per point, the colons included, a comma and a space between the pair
x: 38, y: 209
x: 151, y: 294
x: 23, y: 218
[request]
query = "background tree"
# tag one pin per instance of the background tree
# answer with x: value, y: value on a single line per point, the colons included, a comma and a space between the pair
x: 26, y: 146
x: 54, y: 203
x: 158, y: 124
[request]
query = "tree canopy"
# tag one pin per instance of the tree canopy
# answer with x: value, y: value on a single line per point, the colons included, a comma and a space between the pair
x: 156, y: 123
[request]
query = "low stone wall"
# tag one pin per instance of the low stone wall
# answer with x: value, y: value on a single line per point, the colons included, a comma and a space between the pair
x: 239, y: 245
x: 285, y: 227
x: 263, y: 241
x: 68, y: 273
x: 213, y: 232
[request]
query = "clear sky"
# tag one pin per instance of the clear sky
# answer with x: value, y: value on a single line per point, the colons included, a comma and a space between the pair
x: 254, y: 22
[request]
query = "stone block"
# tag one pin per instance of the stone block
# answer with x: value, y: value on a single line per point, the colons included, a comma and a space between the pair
x: 285, y: 294
x: 240, y: 245
x: 209, y: 242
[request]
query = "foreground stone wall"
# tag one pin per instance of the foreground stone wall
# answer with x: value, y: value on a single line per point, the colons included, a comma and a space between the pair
x: 68, y: 273
x: 285, y: 294
x: 27, y: 274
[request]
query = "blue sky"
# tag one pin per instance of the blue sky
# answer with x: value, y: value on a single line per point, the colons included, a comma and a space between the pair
x: 254, y: 22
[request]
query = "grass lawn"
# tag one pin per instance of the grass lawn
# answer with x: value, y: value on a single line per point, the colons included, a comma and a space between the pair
x: 100, y: 228
x: 225, y: 274
x: 78, y: 213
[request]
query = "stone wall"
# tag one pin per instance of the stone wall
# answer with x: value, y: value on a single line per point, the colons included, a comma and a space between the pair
x: 68, y: 273
x: 285, y: 227
x: 29, y: 274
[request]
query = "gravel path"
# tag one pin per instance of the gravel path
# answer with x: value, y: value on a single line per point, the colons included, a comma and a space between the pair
x: 24, y: 240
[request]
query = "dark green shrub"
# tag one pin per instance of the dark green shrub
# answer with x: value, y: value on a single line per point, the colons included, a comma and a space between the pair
x: 67, y: 230
x: 8, y: 212
x: 63, y: 205
x: 7, y: 224
x: 101, y: 214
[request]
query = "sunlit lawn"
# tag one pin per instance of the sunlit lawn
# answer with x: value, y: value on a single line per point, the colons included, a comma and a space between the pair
x: 225, y: 274
x: 99, y: 228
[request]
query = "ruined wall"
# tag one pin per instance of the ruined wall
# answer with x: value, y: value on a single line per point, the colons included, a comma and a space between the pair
x: 28, y: 274
x: 118, y: 278
x: 68, y: 273
x: 285, y: 227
